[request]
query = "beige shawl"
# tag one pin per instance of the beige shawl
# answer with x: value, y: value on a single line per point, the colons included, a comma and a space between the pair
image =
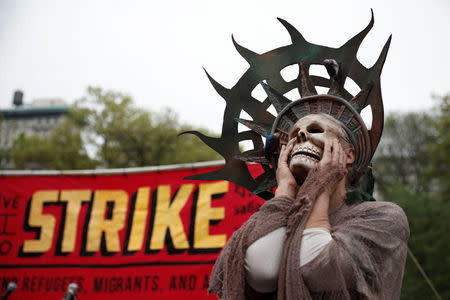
x: 365, y: 259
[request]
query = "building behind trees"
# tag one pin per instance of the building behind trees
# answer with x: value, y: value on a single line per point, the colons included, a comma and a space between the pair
x: 37, y: 118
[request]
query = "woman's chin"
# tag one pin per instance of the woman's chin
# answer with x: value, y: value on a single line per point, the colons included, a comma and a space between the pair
x: 300, y: 172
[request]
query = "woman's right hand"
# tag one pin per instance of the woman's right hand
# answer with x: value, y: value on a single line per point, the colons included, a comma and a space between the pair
x: 287, y: 185
x: 333, y: 163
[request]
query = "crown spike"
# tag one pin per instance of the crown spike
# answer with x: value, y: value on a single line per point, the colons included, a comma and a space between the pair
x: 247, y: 54
x: 349, y: 51
x: 279, y: 101
x: 220, y: 174
x: 337, y: 86
x: 356, y: 41
x: 359, y: 101
x: 220, y: 89
x: 335, y: 89
x: 262, y: 129
x: 266, y: 181
x: 296, y: 36
x: 307, y: 88
x: 215, y: 143
x: 382, y: 58
x: 256, y: 156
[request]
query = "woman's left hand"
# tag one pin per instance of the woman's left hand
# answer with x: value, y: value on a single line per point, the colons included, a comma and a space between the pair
x: 287, y: 185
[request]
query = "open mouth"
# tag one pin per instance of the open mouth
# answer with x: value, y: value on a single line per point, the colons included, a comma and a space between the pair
x: 308, y: 153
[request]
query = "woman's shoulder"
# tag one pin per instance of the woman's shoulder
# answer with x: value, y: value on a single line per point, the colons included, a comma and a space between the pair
x: 375, y: 208
x: 386, y: 208
x: 387, y: 215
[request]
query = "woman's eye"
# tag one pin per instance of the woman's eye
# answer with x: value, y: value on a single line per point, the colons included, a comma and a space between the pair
x: 315, y: 130
x: 293, y: 134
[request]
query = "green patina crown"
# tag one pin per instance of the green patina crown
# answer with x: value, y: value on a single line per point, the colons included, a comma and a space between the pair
x: 338, y: 102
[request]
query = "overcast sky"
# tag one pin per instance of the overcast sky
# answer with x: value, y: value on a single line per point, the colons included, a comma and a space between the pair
x: 155, y: 50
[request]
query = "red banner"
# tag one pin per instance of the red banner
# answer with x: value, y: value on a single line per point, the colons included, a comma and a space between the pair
x: 145, y: 234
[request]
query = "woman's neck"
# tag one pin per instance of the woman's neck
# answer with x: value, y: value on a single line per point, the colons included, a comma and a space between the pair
x: 338, y: 197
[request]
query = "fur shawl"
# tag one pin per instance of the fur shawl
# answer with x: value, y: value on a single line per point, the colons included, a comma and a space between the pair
x: 365, y: 259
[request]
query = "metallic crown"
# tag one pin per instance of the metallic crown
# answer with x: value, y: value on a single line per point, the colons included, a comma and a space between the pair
x: 338, y: 103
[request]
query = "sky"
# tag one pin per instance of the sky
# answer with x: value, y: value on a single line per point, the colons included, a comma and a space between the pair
x: 155, y: 51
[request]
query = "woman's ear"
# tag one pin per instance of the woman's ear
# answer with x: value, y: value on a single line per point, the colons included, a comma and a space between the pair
x: 350, y: 154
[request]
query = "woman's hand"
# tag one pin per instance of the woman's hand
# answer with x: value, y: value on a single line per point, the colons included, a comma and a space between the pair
x: 331, y: 168
x: 287, y: 185
x: 333, y: 160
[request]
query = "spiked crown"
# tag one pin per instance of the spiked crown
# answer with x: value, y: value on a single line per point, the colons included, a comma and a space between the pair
x: 338, y: 103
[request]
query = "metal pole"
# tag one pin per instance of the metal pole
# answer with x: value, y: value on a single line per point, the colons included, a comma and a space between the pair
x: 424, y: 274
x: 9, y: 289
x: 71, y: 292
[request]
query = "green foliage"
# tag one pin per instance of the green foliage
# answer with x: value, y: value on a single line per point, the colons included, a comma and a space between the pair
x: 428, y: 218
x: 412, y: 168
x: 4, y: 154
x: 126, y: 136
x: 62, y: 149
x: 118, y: 135
x: 30, y: 152
x: 440, y: 149
x: 403, y: 153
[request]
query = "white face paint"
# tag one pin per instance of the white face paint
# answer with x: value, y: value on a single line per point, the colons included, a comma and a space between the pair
x: 308, y: 135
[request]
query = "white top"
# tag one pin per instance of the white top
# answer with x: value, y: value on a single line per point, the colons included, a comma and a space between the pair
x: 263, y: 257
x: 313, y: 242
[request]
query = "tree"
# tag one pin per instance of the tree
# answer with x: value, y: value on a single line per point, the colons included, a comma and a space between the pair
x: 403, y: 153
x: 412, y: 169
x: 428, y: 220
x: 4, y: 154
x: 117, y: 134
x: 62, y: 149
x: 126, y: 136
x: 440, y: 149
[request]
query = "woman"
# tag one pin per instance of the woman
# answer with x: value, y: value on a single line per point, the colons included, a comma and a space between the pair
x: 306, y: 242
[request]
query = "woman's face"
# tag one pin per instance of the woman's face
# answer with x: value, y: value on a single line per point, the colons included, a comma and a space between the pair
x: 308, y: 135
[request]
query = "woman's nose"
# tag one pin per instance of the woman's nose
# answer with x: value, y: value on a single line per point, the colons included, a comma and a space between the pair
x: 302, y: 136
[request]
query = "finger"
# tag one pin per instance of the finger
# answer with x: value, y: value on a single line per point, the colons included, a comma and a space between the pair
x: 326, y: 157
x: 336, y: 152
x: 343, y: 158
x: 338, y: 160
x: 284, y: 154
x: 289, y: 149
